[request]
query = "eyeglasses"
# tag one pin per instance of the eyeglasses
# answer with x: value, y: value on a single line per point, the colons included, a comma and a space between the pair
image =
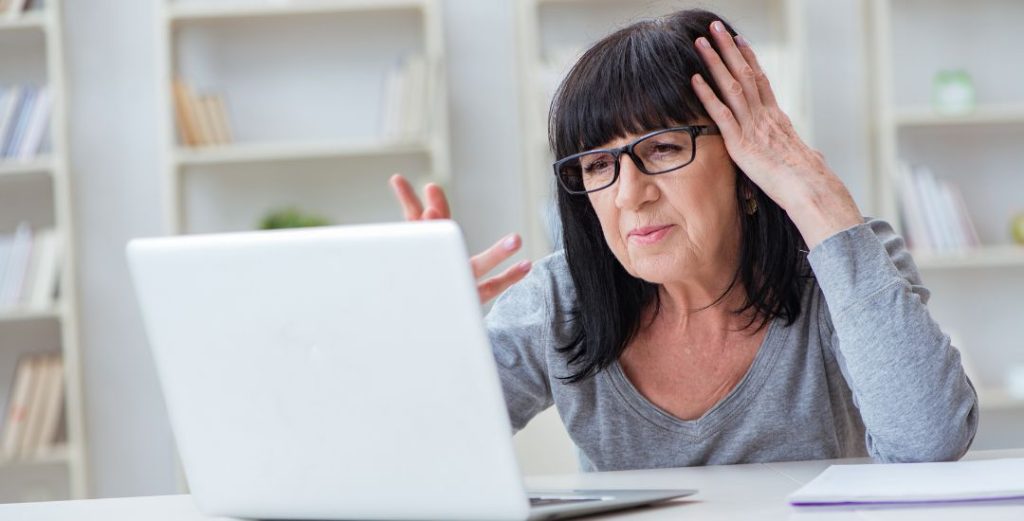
x: 659, y: 152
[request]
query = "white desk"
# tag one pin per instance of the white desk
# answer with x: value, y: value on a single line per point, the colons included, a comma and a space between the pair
x: 728, y: 492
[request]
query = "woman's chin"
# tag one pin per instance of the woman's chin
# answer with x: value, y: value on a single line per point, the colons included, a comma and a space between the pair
x: 656, y: 268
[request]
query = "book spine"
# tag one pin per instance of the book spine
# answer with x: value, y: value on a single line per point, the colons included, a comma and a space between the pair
x: 17, y: 265
x: 187, y: 125
x: 27, y: 103
x: 8, y: 112
x: 17, y: 408
x: 37, y: 126
x: 50, y: 420
x: 11, y: 122
x: 37, y: 397
x: 44, y: 285
x: 912, y: 212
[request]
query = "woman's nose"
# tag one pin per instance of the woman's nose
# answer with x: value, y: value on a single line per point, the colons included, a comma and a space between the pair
x: 634, y: 186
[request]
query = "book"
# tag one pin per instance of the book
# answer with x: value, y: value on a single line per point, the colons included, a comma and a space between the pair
x: 407, y: 94
x: 24, y: 114
x: 43, y: 273
x: 37, y: 394
x: 911, y: 212
x: 6, y: 246
x: 207, y: 132
x: 188, y: 131
x: 17, y: 407
x: 914, y: 483
x: 933, y: 213
x: 38, y: 123
x: 202, y: 118
x: 9, y: 104
x: 219, y: 117
x: 48, y: 392
x: 50, y: 419
x: 17, y: 264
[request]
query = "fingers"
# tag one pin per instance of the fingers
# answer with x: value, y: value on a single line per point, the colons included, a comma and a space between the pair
x: 738, y: 68
x: 437, y: 203
x: 486, y: 260
x: 730, y: 87
x: 720, y: 113
x: 493, y: 287
x: 411, y: 205
x: 764, y: 88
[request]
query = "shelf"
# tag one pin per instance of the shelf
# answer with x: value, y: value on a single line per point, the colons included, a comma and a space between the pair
x: 981, y: 115
x: 999, y: 256
x: 251, y: 153
x: 998, y: 399
x: 192, y: 10
x: 14, y: 167
x: 56, y: 456
x: 23, y: 315
x: 29, y: 20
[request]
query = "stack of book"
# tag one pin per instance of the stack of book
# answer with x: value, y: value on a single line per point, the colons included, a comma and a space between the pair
x: 202, y: 119
x: 408, y: 90
x: 33, y: 426
x: 29, y: 268
x: 24, y: 118
x: 933, y: 213
x: 14, y: 8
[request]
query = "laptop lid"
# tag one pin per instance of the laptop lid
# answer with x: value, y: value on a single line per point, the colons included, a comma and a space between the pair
x: 339, y: 372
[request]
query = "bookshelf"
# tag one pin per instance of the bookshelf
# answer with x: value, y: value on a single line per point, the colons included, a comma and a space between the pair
x: 976, y: 290
x: 305, y: 108
x: 552, y: 34
x: 305, y: 83
x: 37, y: 190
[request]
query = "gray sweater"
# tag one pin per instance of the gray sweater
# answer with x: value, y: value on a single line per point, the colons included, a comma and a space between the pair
x: 864, y: 370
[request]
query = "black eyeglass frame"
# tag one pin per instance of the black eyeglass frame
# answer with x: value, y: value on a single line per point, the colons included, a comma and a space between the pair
x: 693, y: 130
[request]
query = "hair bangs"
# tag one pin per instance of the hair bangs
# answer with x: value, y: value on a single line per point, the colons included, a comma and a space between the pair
x: 634, y: 81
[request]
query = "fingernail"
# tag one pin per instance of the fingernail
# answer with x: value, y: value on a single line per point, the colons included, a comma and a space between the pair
x: 523, y: 266
x: 698, y: 78
x: 718, y: 26
x: 510, y: 242
x: 741, y: 41
x: 703, y: 42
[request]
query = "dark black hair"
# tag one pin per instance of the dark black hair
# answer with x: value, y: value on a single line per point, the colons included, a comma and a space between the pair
x: 633, y: 81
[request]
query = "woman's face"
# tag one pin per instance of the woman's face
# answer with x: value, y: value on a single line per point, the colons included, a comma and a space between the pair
x: 673, y: 226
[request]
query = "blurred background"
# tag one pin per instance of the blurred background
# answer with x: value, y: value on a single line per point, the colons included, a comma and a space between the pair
x: 131, y: 118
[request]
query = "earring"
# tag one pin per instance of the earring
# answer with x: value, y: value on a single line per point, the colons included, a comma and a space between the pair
x: 751, y: 206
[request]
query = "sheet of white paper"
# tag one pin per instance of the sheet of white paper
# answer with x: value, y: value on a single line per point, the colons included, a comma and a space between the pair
x: 915, y: 482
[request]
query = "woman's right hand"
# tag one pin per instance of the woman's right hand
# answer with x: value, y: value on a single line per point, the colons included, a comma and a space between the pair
x: 483, y: 262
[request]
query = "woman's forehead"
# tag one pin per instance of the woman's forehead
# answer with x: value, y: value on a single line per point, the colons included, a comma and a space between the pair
x: 626, y: 137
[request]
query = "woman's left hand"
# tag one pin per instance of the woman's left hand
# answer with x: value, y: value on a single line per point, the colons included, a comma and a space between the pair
x: 762, y: 141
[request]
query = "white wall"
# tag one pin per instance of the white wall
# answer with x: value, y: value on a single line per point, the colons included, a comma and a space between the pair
x: 113, y: 149
x: 114, y: 144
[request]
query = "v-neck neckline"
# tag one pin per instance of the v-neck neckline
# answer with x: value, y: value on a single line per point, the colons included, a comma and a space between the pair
x: 725, y: 408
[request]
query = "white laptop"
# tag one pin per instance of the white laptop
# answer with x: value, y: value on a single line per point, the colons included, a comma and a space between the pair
x: 337, y: 373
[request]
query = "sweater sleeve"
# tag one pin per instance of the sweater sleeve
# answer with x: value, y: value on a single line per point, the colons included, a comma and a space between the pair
x: 521, y: 327
x: 906, y: 379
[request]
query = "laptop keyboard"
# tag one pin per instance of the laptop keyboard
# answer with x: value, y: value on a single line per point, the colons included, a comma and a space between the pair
x: 546, y: 501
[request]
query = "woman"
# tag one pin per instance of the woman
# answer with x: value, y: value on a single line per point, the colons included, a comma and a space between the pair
x: 719, y: 298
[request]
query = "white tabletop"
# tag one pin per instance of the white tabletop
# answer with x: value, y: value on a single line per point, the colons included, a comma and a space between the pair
x: 755, y: 491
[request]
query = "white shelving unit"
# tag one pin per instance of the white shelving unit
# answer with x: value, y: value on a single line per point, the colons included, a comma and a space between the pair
x: 304, y: 85
x: 38, y: 191
x: 975, y: 293
x: 552, y: 34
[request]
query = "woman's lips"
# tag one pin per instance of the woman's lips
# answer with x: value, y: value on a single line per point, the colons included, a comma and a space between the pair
x: 649, y: 234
